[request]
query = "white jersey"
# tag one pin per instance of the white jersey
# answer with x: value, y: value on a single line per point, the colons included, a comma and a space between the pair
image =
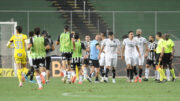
x: 140, y: 42
x: 111, y: 47
x: 103, y: 43
x: 130, y: 47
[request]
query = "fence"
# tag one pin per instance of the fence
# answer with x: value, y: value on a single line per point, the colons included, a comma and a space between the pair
x: 92, y: 22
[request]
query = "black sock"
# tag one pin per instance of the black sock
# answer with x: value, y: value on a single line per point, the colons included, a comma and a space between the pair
x: 114, y: 73
x: 102, y: 71
x: 140, y: 73
x: 131, y: 74
x: 107, y: 71
x: 135, y: 70
x: 32, y: 73
x: 128, y: 72
x: 97, y: 79
x: 90, y: 75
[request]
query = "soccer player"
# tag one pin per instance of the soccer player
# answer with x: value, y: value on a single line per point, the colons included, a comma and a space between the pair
x: 142, y: 44
x: 151, y: 58
x: 86, y: 56
x: 66, y: 46
x: 94, y: 56
x: 39, y: 46
x: 128, y: 50
x: 30, y: 55
x: 159, y: 56
x: 111, y: 53
x: 168, y: 57
x: 77, y: 58
x: 102, y: 55
x: 19, y: 53
x: 48, y: 54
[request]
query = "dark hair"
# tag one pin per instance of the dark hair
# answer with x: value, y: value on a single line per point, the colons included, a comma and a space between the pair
x: 124, y: 36
x: 19, y: 29
x: 76, y: 35
x: 110, y: 33
x: 152, y: 36
x: 31, y: 34
x: 37, y: 30
x: 66, y: 27
x: 103, y: 33
x: 130, y: 32
x: 44, y: 32
x: 159, y: 34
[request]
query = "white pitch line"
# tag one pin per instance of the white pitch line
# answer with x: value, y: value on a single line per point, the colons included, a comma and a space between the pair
x: 76, y: 95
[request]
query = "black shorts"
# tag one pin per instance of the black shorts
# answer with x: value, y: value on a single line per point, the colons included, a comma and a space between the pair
x: 151, y: 63
x: 76, y: 62
x: 157, y: 59
x: 94, y: 63
x: 48, y: 62
x: 166, y: 59
x: 38, y: 63
x: 66, y: 56
x: 86, y: 61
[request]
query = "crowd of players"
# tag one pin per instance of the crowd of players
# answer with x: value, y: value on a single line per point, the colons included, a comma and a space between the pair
x: 100, y: 55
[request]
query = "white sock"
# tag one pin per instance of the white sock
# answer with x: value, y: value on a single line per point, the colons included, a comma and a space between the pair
x: 80, y: 78
x: 73, y: 73
x: 147, y: 73
x: 69, y: 75
x: 168, y: 73
x: 38, y: 78
x: 158, y: 75
x: 43, y: 74
x: 155, y: 74
x: 85, y: 72
x: 64, y: 72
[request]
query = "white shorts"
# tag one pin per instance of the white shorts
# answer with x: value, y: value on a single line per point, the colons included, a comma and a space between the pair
x: 130, y: 61
x: 140, y: 61
x: 102, y: 60
x: 30, y: 61
x: 111, y: 62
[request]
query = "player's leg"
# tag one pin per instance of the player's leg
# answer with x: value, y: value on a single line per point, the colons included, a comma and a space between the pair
x: 170, y: 65
x: 80, y: 71
x: 102, y: 64
x: 114, y: 64
x: 136, y: 58
x: 42, y: 70
x: 148, y: 64
x: 96, y: 66
x: 84, y: 68
x: 19, y: 72
x: 48, y: 62
x: 141, y: 62
x: 31, y: 71
x: 37, y: 73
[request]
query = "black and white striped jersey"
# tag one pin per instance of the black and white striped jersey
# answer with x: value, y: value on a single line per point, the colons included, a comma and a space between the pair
x: 152, y: 47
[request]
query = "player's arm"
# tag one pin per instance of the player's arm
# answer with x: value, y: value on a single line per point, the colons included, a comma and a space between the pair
x: 138, y: 51
x: 119, y: 48
x: 122, y: 52
x: 58, y: 40
x: 30, y: 44
x: 46, y: 44
x: 73, y: 41
x: 173, y: 50
x: 99, y: 48
x: 9, y: 44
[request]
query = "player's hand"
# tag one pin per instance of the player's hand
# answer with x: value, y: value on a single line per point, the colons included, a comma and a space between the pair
x: 171, y: 57
x: 86, y: 56
x: 146, y: 55
x: 99, y: 57
x: 48, y: 47
x: 160, y: 59
x: 122, y: 57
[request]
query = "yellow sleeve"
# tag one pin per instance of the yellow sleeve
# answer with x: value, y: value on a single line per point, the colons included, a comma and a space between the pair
x: 12, y: 39
x: 25, y: 37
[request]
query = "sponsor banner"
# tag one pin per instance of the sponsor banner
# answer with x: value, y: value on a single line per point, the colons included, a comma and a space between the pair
x: 6, y: 72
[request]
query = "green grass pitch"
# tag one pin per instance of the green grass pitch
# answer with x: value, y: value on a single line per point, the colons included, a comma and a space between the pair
x: 121, y: 91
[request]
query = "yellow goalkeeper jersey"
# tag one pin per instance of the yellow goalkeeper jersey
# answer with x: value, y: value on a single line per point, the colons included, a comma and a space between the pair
x: 19, y: 45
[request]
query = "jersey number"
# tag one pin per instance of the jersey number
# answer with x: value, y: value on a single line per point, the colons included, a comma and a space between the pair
x: 19, y: 45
